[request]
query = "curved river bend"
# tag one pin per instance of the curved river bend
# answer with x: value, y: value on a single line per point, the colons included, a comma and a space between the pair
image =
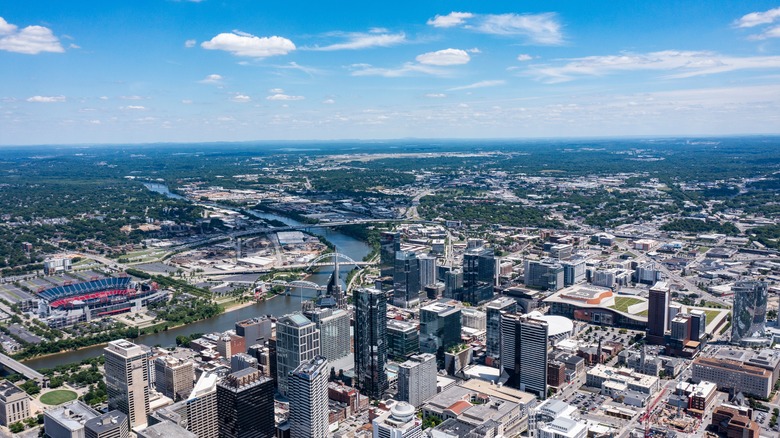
x: 276, y: 306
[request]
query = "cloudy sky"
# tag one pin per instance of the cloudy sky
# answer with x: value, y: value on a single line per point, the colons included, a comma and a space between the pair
x: 224, y: 70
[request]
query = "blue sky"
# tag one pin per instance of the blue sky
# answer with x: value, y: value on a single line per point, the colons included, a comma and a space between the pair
x: 211, y: 70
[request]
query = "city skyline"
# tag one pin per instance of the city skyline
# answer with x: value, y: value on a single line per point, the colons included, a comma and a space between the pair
x: 184, y: 71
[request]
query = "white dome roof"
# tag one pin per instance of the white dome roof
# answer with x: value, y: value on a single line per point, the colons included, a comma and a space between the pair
x: 555, y: 324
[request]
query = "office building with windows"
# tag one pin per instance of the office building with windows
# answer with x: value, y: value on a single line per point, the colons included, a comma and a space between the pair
x: 245, y: 405
x: 493, y: 311
x: 749, y: 313
x: 127, y: 380
x: 370, y: 341
x: 417, y: 379
x: 309, y: 413
x: 297, y: 341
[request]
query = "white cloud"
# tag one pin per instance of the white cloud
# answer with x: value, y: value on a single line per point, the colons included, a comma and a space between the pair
x: 103, y: 97
x: 405, y: 70
x: 524, y: 57
x: 677, y: 64
x: 311, y: 71
x: 328, y: 101
x: 186, y: 101
x: 444, y: 57
x: 133, y: 107
x: 212, y: 79
x: 450, y: 20
x: 280, y: 96
x: 134, y: 97
x: 480, y: 84
x: 190, y: 44
x: 244, y: 44
x: 276, y: 91
x: 358, y: 40
x: 539, y: 28
x: 474, y: 50
x: 241, y: 98
x: 74, y: 46
x: 436, y: 95
x: 758, y: 18
x: 46, y: 99
x: 31, y: 40
x: 772, y: 32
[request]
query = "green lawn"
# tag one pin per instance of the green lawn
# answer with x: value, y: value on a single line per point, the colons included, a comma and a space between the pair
x: 622, y: 303
x: 57, y: 397
x: 711, y: 315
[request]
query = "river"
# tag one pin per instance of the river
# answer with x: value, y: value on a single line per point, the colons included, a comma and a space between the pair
x: 276, y: 306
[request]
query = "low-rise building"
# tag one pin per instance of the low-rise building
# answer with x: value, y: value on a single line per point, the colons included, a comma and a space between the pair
x: 600, y: 374
x: 14, y: 404
x: 67, y: 421
x: 732, y: 375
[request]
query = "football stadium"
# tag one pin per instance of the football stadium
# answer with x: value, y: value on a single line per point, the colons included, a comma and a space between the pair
x: 70, y: 303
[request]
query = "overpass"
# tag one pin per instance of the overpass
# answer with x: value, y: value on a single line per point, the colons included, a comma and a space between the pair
x: 17, y: 367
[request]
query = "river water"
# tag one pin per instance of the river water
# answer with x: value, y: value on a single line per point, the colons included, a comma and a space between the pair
x: 276, y: 306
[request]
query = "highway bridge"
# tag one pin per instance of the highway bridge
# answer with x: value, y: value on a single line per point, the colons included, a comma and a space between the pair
x: 17, y: 367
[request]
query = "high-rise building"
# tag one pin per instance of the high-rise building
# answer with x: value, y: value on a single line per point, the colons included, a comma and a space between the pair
x: 309, y: 414
x: 245, y: 405
x: 229, y: 343
x: 473, y: 319
x: 453, y: 284
x: 174, y: 377
x: 479, y: 275
x: 202, y: 415
x: 14, y: 404
x: 681, y: 328
x: 297, y: 341
x: 417, y: 379
x: 399, y: 422
x: 573, y: 270
x: 698, y: 325
x: 113, y: 424
x: 370, y: 341
x: 403, y: 339
x: 427, y: 270
x: 242, y: 361
x: 545, y: 274
x: 389, y: 244
x: 525, y: 359
x: 493, y: 323
x: 748, y: 318
x: 439, y: 327
x: 406, y: 280
x: 67, y: 421
x: 127, y: 380
x: 333, y: 325
x: 334, y: 288
x: 658, y: 313
x: 254, y: 331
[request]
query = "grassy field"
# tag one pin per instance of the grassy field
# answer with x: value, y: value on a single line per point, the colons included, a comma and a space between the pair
x: 622, y: 304
x: 711, y: 315
x: 56, y: 397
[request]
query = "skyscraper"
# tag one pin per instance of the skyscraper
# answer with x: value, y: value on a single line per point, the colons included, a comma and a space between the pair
x: 202, y: 415
x: 427, y: 270
x: 493, y: 310
x: 174, y: 377
x: 525, y: 355
x: 403, y: 339
x: 254, y: 331
x: 370, y: 341
x: 453, y: 284
x: 333, y: 325
x: 245, y: 404
x: 545, y: 274
x: 406, y: 280
x: 417, y: 379
x: 127, y: 380
x: 439, y: 327
x: 309, y: 399
x: 297, y: 341
x: 658, y: 313
x: 479, y: 272
x: 334, y: 288
x: 698, y: 324
x: 749, y: 315
x: 389, y: 244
